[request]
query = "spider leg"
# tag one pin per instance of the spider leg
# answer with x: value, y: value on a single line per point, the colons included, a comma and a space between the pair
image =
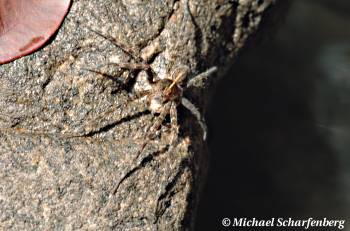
x: 190, y: 106
x: 173, y: 140
x: 152, y: 129
x: 200, y: 79
x: 150, y: 132
x: 94, y: 126
x: 106, y: 75
x: 130, y: 52
x: 165, y: 111
x: 174, y: 124
x: 140, y: 63
x: 122, y: 81
x: 138, y: 166
x: 129, y: 66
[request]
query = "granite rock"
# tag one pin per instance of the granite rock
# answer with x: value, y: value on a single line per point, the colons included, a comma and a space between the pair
x: 69, y: 134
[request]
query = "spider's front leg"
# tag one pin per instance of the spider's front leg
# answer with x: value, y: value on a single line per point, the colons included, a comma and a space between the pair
x: 199, y: 82
x: 200, y: 79
x: 138, y: 63
x: 134, y: 55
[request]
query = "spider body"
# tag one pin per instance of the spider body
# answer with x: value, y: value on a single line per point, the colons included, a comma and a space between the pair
x: 164, y: 91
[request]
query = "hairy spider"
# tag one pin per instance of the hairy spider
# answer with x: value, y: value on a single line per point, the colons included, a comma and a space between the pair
x: 162, y: 100
x: 164, y: 95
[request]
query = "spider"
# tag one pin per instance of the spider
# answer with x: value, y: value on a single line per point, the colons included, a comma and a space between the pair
x: 164, y: 95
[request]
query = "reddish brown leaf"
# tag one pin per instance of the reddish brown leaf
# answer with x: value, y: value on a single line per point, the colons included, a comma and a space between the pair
x: 25, y: 25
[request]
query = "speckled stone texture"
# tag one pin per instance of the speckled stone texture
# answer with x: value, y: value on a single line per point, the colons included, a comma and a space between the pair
x: 68, y: 135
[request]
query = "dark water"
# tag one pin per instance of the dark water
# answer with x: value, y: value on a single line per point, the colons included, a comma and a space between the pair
x: 280, y: 124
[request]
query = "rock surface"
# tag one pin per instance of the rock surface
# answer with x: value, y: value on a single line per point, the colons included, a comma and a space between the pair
x: 69, y: 135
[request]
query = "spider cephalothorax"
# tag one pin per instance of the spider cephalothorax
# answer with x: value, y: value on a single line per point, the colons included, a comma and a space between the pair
x: 167, y: 90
